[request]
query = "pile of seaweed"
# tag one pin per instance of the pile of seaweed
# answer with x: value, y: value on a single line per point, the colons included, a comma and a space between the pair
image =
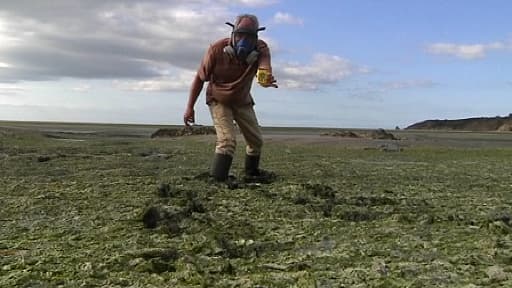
x: 376, y: 134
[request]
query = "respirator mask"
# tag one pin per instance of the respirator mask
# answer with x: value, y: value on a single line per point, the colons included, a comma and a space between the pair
x: 243, y: 40
x: 244, y: 47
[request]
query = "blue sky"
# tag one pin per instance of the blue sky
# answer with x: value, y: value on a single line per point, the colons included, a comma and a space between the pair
x: 351, y: 64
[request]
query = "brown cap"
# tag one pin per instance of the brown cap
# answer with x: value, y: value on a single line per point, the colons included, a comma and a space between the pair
x: 246, y: 25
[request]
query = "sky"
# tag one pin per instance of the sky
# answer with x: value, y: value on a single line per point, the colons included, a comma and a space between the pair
x: 338, y: 63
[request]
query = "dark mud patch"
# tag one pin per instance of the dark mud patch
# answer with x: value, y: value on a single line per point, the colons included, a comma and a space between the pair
x: 301, y: 200
x: 320, y: 190
x: 233, y: 183
x: 185, y: 131
x: 171, y: 218
x: 157, y: 156
x: 69, y: 135
x: 171, y: 208
x: 49, y: 157
x: 158, y: 260
x: 328, y: 207
x: 263, y: 177
x: 166, y: 190
x: 321, y: 197
x: 194, y: 206
x: 369, y: 201
x: 359, y: 215
x: 151, y: 217
x: 43, y: 158
x: 158, y: 266
x: 327, y: 201
x: 173, y: 227
x: 228, y: 268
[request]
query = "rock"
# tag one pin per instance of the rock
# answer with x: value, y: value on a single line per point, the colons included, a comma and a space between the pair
x: 507, y: 127
x: 347, y: 134
x: 382, y: 134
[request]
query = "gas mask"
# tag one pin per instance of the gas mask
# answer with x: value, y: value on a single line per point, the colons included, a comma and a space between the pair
x: 244, y: 47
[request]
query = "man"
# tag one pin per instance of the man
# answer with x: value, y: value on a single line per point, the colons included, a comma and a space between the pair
x: 230, y: 65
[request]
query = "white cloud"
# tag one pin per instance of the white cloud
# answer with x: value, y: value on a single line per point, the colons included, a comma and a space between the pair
x: 112, y: 39
x: 10, y: 89
x: 408, y: 84
x: 464, y: 51
x: 286, y: 18
x: 323, y: 70
x: 251, y: 3
x: 82, y: 88
x: 6, y: 37
x: 180, y: 82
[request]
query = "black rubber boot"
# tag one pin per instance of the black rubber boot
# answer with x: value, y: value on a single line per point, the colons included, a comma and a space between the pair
x: 253, y: 174
x: 252, y: 164
x: 221, y: 166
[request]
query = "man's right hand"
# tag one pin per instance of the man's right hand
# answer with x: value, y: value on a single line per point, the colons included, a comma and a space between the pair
x: 189, y: 116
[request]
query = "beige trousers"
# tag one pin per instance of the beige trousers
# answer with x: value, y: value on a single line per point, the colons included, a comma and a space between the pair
x: 245, y: 117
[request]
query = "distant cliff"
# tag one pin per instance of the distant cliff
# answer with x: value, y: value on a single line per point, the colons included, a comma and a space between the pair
x: 469, y: 124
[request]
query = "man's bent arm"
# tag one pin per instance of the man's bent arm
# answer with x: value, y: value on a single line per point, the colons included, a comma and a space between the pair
x: 195, y: 90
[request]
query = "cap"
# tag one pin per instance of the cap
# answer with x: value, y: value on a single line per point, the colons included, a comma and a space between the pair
x: 246, y: 23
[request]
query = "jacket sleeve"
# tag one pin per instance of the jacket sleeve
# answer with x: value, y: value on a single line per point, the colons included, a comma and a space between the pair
x: 206, y: 68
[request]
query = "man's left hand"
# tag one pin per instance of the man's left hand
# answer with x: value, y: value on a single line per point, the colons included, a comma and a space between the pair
x: 271, y: 83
